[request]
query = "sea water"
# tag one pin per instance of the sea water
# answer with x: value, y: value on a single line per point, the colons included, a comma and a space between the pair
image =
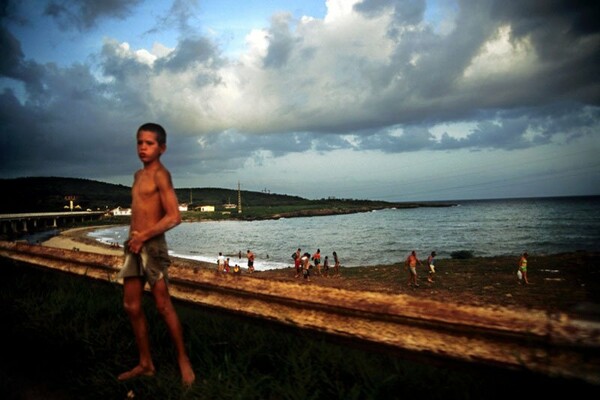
x: 485, y: 227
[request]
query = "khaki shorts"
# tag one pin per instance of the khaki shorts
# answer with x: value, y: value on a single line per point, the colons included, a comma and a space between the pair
x: 151, y: 263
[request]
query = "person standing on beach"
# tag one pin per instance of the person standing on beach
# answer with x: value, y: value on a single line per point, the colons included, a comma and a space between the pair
x: 523, y: 267
x: 430, y: 262
x: 250, y: 257
x: 306, y: 266
x: 154, y: 210
x: 226, y: 265
x: 317, y: 259
x: 326, y: 266
x: 411, y: 262
x: 297, y: 256
x: 220, y: 262
x: 336, y: 265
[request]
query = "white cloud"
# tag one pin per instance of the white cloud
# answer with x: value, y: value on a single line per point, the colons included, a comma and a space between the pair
x: 143, y: 56
x: 457, y: 130
x: 502, y: 55
x: 257, y: 45
x: 339, y: 10
x: 159, y: 50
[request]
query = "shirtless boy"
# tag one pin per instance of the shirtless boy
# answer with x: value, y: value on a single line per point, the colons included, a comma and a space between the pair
x: 154, y: 210
x: 250, y: 256
x: 411, y: 262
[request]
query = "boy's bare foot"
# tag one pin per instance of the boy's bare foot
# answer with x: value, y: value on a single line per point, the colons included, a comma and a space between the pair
x: 187, y: 373
x: 135, y: 372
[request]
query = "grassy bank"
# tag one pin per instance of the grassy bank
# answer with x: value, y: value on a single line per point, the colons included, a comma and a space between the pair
x: 68, y: 338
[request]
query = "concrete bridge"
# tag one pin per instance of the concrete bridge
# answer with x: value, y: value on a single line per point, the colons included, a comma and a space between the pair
x: 28, y: 222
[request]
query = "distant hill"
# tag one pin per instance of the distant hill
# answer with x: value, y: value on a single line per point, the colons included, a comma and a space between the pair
x: 47, y: 194
x: 219, y: 197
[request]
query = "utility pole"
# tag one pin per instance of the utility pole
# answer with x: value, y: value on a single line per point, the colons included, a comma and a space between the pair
x: 239, y: 199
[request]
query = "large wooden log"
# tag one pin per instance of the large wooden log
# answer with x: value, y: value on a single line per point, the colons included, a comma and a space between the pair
x: 554, y: 344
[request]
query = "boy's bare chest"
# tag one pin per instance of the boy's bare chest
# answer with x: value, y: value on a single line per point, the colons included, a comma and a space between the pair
x: 144, y: 187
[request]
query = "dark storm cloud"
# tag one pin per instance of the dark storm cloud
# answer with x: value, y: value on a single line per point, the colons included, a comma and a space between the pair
x: 229, y: 151
x: 281, y: 41
x: 56, y: 125
x: 190, y: 53
x: 12, y: 55
x: 13, y: 64
x: 573, y: 17
x: 129, y: 87
x: 84, y: 15
x: 565, y: 35
x: 510, y: 130
x: 68, y: 122
x: 412, y: 139
x: 518, y: 129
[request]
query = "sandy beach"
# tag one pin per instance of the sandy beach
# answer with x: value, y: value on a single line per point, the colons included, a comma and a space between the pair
x: 568, y: 282
x: 76, y: 239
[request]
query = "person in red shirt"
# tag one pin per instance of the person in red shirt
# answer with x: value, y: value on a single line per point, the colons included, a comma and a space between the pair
x: 297, y: 256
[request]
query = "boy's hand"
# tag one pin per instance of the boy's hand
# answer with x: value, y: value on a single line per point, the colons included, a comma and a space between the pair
x: 135, y: 242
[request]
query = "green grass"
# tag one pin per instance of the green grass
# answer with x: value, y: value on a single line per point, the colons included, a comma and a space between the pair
x: 68, y: 338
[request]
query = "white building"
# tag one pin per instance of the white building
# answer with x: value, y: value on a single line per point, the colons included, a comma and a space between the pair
x: 119, y: 212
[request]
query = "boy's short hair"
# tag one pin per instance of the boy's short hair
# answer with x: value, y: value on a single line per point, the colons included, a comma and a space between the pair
x: 161, y: 134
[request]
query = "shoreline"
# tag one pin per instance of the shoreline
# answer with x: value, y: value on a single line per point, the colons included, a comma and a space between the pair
x: 75, y: 238
x: 563, y: 282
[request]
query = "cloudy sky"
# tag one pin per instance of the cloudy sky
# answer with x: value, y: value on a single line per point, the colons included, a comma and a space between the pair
x: 375, y: 99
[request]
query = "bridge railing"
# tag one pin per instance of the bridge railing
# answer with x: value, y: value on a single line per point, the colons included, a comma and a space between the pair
x: 25, y: 222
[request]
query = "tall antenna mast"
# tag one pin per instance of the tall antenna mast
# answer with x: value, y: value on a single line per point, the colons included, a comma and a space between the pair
x: 239, y: 199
